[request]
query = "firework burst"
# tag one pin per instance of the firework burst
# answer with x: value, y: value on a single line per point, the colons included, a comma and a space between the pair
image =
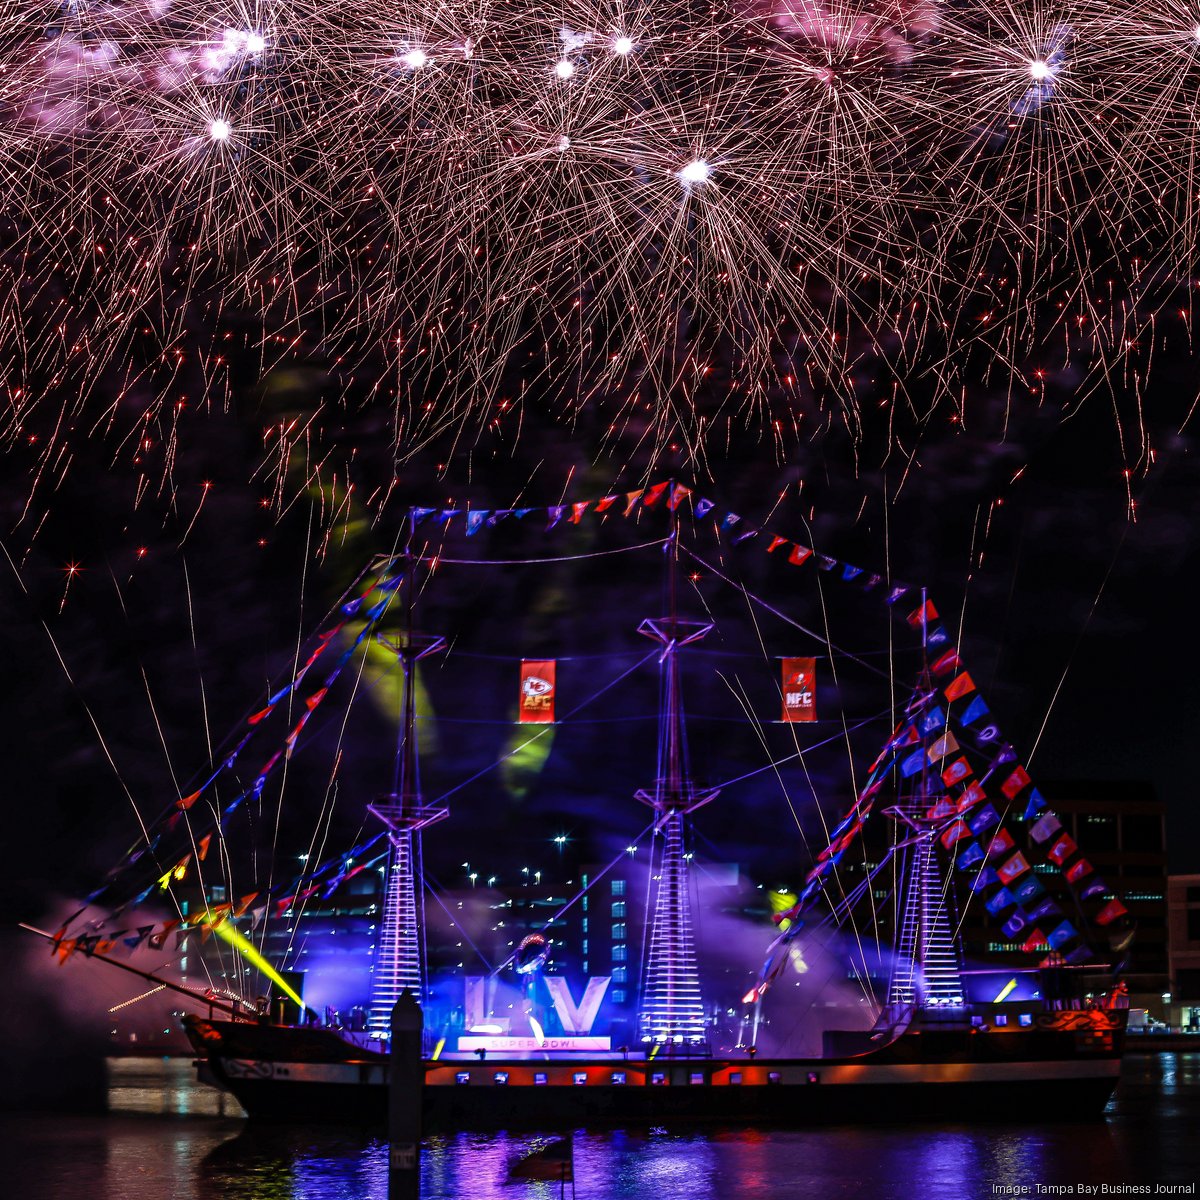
x: 624, y: 206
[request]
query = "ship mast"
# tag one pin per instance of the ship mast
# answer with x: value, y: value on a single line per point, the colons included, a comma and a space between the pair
x: 399, y: 961
x: 926, y: 973
x: 672, y: 1008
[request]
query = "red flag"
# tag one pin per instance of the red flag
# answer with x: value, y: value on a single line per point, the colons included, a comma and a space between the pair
x: 972, y: 796
x: 922, y: 615
x: 960, y: 685
x: 1110, y: 912
x: 290, y: 740
x: 799, y: 554
x: 653, y: 495
x: 537, y: 692
x: 945, y: 663
x: 1078, y: 870
x: 799, y: 689
x: 1013, y: 869
x: 577, y: 511
x: 186, y: 802
x: 202, y: 846
x: 955, y: 833
x: 1014, y: 783
x: 1062, y: 850
x: 605, y: 503
x: 676, y: 498
x: 958, y: 769
x: 776, y: 542
x: 258, y: 716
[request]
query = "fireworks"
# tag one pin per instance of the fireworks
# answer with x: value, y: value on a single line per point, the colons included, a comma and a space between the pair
x: 657, y: 209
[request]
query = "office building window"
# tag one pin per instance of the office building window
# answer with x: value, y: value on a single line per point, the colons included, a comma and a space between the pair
x: 618, y: 908
x: 620, y: 952
x: 618, y: 887
x: 1098, y: 832
x: 1142, y: 833
x: 618, y: 931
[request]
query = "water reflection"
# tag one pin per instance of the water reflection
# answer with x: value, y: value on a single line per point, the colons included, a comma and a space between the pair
x: 164, y: 1086
x: 264, y: 1164
x: 169, y: 1139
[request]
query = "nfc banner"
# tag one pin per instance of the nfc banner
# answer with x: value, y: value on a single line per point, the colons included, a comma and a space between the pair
x: 799, y: 689
x: 537, y: 692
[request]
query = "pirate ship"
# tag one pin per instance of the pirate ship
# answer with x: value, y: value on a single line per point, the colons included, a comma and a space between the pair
x: 955, y: 799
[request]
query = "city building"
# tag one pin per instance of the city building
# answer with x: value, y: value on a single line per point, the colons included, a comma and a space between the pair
x: 1183, y: 942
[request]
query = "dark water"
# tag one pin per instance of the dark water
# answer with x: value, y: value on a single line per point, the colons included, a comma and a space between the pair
x: 170, y: 1139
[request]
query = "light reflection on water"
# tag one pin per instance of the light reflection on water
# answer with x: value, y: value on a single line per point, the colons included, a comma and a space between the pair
x: 164, y: 1086
x: 167, y: 1138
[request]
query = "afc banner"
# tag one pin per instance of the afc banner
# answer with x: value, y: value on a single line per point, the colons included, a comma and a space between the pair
x: 799, y: 689
x: 537, y: 692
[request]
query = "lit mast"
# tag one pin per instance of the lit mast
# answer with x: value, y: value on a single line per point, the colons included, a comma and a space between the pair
x: 399, y: 963
x: 672, y: 1008
x: 926, y: 973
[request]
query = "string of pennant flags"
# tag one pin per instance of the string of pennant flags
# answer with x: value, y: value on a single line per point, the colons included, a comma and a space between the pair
x: 672, y: 496
x: 170, y: 818
x: 947, y: 725
x: 948, y: 730
x: 253, y: 906
x: 371, y: 606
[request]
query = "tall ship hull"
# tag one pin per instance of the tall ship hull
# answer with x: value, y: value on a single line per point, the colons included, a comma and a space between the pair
x: 1064, y: 1065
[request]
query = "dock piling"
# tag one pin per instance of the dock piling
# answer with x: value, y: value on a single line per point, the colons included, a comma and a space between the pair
x: 405, y: 1085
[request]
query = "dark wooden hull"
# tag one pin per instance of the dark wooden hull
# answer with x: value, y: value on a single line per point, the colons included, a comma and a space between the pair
x: 1065, y: 1068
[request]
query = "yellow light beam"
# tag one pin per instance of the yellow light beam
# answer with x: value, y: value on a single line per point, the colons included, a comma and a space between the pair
x: 227, y: 933
x: 1004, y: 991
